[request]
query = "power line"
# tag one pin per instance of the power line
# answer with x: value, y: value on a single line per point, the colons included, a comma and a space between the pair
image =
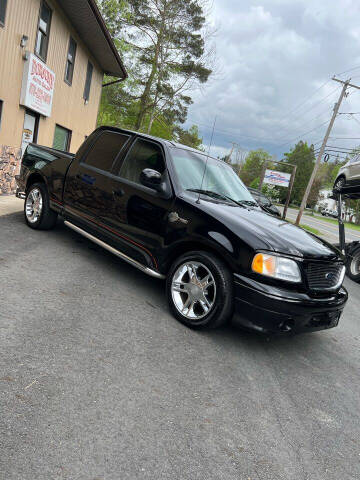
x: 334, y: 151
x: 314, y: 105
x: 345, y: 138
x: 305, y: 133
x: 335, y: 154
x: 324, y: 98
x: 307, y: 122
x: 308, y: 98
x: 228, y: 132
x: 346, y: 71
x: 342, y: 148
x: 311, y: 108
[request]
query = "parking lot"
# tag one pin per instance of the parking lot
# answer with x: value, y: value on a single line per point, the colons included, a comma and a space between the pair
x: 99, y: 382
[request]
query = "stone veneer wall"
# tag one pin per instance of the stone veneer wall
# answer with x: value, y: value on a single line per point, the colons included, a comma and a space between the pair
x: 10, y: 159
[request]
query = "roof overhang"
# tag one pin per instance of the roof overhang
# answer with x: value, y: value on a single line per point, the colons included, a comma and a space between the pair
x: 90, y: 26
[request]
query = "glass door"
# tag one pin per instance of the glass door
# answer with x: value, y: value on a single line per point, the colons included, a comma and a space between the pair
x: 31, y: 123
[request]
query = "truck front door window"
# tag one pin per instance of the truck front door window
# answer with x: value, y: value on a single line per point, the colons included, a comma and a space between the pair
x: 143, y: 155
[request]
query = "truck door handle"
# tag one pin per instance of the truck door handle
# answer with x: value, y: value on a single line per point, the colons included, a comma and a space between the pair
x: 118, y: 193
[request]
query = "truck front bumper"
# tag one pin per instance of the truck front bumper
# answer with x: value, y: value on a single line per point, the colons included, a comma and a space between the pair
x: 268, y: 309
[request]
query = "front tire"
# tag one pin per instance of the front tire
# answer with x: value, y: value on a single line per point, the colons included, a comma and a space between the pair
x: 199, y: 290
x: 353, y: 265
x: 37, y: 212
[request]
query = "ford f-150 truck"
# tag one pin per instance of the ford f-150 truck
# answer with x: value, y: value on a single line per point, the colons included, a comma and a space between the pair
x: 177, y: 214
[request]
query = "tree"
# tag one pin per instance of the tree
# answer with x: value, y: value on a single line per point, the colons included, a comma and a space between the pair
x: 189, y: 137
x: 253, y: 165
x: 302, y: 155
x: 167, y: 54
x: 268, y: 190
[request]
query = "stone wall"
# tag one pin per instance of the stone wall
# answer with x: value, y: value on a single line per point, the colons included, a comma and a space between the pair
x: 10, y: 158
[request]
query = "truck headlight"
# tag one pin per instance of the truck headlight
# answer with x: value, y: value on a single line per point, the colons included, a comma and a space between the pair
x: 276, y: 267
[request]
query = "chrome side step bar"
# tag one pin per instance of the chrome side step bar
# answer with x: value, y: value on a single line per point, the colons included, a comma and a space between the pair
x: 116, y: 252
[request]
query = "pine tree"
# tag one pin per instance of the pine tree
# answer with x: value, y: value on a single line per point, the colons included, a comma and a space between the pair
x: 168, y: 57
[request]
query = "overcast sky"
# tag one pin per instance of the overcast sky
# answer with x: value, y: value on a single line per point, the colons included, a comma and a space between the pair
x: 273, y: 55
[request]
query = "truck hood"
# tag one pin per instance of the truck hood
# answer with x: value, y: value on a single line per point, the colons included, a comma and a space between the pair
x: 264, y: 231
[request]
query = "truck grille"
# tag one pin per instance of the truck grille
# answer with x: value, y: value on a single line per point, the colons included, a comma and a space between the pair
x: 324, y: 276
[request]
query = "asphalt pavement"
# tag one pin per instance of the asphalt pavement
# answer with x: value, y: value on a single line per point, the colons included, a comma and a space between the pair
x: 99, y: 382
x: 329, y: 231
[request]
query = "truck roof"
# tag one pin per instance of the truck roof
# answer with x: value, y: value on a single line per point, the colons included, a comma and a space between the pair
x: 169, y: 143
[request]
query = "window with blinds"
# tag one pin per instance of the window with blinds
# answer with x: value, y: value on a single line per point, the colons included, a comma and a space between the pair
x: 3, y: 4
x: 62, y: 138
x: 70, y: 61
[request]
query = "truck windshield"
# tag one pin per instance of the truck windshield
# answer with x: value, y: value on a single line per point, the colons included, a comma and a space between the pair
x: 219, y: 178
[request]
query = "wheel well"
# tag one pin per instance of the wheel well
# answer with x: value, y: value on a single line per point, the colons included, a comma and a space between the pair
x: 340, y: 176
x: 34, y: 178
x: 183, y: 248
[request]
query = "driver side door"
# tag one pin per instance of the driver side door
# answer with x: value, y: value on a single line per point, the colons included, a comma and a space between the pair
x: 140, y: 213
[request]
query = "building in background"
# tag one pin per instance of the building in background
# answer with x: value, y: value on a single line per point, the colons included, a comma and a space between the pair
x: 325, y: 200
x: 53, y: 56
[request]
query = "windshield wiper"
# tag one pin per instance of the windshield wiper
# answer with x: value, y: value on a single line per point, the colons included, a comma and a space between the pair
x: 251, y: 203
x: 220, y: 196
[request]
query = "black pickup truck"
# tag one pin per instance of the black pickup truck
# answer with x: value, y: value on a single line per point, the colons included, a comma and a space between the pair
x: 179, y: 215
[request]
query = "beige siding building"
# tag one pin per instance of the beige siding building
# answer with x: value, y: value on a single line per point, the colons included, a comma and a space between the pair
x: 53, y: 56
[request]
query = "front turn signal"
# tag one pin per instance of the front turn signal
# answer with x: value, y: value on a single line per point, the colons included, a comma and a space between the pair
x: 276, y: 267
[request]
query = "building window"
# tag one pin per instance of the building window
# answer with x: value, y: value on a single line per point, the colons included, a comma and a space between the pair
x: 70, y: 61
x: 1, y: 110
x: 3, y: 4
x: 42, y: 38
x: 62, y: 138
x: 89, y: 73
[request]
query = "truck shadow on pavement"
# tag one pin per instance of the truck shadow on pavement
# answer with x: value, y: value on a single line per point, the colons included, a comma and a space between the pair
x: 152, y: 294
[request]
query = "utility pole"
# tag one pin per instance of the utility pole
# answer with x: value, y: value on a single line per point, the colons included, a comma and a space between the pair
x: 345, y: 84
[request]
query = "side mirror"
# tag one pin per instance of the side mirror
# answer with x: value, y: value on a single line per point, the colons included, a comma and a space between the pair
x: 152, y: 179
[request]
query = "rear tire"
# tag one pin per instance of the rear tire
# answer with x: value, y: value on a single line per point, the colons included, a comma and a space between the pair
x: 353, y: 264
x: 37, y: 212
x: 199, y: 289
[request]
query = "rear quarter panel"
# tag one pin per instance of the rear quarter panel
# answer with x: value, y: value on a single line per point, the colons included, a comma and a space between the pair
x: 50, y: 164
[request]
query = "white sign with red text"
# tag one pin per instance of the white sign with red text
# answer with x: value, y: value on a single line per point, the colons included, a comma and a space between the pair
x: 277, y: 178
x: 38, y: 86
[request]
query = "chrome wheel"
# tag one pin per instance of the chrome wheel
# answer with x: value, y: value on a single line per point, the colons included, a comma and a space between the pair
x: 193, y: 290
x: 33, y: 205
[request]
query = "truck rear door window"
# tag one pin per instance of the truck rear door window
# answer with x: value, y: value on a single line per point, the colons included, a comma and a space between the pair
x: 105, y: 151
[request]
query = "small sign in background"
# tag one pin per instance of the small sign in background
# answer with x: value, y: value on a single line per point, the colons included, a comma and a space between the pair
x: 280, y: 179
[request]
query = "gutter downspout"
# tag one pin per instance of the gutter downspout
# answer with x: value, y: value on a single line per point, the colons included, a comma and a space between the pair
x: 113, y: 82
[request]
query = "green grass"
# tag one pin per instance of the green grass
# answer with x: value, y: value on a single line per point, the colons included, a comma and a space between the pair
x: 352, y: 226
x: 315, y: 231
